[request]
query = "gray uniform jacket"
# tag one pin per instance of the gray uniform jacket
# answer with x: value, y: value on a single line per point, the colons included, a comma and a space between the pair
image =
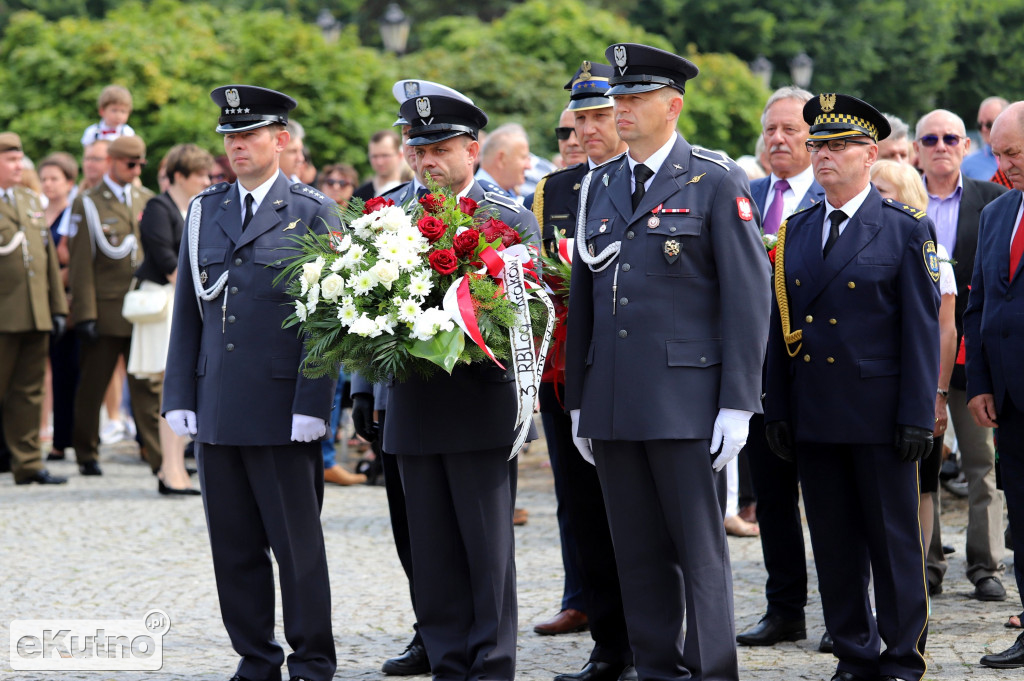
x: 238, y: 369
x: 687, y: 332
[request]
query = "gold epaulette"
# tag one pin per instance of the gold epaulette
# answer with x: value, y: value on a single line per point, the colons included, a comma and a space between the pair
x: 780, y: 293
x: 915, y: 213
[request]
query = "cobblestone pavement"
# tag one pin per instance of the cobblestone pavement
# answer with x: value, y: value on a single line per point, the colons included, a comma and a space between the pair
x: 112, y: 548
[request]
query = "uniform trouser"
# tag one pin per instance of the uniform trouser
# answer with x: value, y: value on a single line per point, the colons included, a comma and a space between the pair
x: 862, y: 506
x: 985, y: 543
x: 558, y: 433
x: 258, y: 500
x: 665, y: 513
x: 399, y: 517
x: 463, y: 557
x: 22, y: 374
x: 1011, y: 465
x: 595, y: 556
x: 64, y: 372
x: 97, y: 360
x: 776, y: 486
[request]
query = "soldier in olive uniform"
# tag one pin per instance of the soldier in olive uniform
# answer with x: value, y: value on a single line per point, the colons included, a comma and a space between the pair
x: 105, y: 252
x: 32, y: 305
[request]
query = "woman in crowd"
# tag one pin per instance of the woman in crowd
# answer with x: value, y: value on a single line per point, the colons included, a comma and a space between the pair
x: 163, y: 221
x: 338, y: 181
x: 901, y: 183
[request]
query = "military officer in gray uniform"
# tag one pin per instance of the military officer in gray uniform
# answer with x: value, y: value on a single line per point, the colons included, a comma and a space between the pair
x: 453, y: 436
x: 233, y: 383
x: 668, y: 321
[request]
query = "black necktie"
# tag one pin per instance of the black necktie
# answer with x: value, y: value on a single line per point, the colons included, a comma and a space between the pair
x: 641, y: 174
x: 835, y: 217
x: 421, y: 192
x: 248, y: 211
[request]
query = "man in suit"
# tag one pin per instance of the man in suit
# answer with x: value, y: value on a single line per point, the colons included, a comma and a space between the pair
x: 668, y: 317
x: 954, y: 205
x: 233, y: 382
x: 452, y: 435
x: 587, y: 549
x: 994, y: 334
x: 791, y: 187
x: 106, y: 249
x: 853, y: 361
x: 32, y: 306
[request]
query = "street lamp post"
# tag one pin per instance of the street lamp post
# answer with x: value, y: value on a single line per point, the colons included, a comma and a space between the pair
x: 762, y: 68
x: 394, y: 29
x: 801, y: 69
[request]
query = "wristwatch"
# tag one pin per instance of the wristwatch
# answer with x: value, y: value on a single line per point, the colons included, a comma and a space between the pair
x: 944, y: 393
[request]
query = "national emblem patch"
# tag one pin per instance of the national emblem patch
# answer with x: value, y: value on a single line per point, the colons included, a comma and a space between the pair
x: 931, y: 259
x: 743, y: 208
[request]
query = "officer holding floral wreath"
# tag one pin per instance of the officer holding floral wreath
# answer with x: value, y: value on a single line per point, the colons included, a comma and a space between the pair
x: 233, y: 383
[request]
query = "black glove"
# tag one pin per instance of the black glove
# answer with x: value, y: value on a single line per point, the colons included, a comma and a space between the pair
x: 780, y: 440
x: 87, y: 331
x: 362, y: 416
x: 913, y: 443
x: 60, y: 325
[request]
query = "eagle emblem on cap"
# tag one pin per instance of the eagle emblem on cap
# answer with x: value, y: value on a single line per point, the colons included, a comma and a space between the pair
x: 423, y: 107
x: 620, y: 56
x: 585, y: 71
x: 828, y: 102
x: 412, y: 89
x: 232, y: 96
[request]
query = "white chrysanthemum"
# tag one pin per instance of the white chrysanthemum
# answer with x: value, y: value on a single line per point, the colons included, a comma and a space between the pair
x: 385, y: 324
x: 408, y: 261
x: 420, y: 286
x: 385, y: 272
x: 339, y: 246
x: 363, y: 282
x: 362, y: 226
x: 348, y: 314
x: 332, y: 287
x: 408, y: 310
x: 313, y: 296
x: 355, y: 255
x: 365, y: 327
x: 413, y: 239
x: 431, y: 321
x: 392, y: 219
x: 300, y: 310
x: 348, y: 300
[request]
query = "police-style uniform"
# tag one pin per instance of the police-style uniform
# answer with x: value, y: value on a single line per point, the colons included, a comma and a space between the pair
x: 31, y: 294
x: 105, y: 252
x: 452, y: 436
x: 668, y: 318
x: 853, y: 360
x: 587, y: 552
x: 232, y: 364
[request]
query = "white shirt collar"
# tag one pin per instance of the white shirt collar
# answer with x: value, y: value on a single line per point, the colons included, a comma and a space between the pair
x: 850, y: 208
x: 798, y: 184
x: 258, y: 194
x: 656, y: 160
x: 118, y: 190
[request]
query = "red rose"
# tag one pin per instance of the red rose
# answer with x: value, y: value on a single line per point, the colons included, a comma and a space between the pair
x: 443, y: 261
x: 492, y: 229
x: 510, y: 237
x: 432, y: 203
x: 431, y: 227
x: 466, y: 242
x: 467, y: 205
x: 771, y: 256
x: 376, y: 203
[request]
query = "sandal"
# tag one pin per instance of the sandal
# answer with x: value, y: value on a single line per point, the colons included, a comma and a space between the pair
x: 1015, y: 622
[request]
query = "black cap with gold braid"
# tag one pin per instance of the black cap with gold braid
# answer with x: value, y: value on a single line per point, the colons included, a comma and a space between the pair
x: 832, y: 116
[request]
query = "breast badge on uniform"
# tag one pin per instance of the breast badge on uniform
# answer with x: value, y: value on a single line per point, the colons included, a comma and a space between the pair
x: 203, y: 277
x: 671, y: 250
x: 653, y: 221
x: 743, y: 208
x: 695, y: 179
x: 931, y: 259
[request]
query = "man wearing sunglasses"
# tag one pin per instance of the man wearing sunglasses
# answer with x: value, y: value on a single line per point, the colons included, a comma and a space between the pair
x: 954, y: 205
x: 853, y: 358
x: 982, y: 164
x: 105, y: 251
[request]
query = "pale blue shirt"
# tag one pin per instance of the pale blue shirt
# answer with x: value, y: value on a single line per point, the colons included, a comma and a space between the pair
x: 945, y: 213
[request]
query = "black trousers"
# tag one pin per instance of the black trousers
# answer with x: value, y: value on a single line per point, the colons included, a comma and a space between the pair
x: 258, y: 500
x: 1011, y: 464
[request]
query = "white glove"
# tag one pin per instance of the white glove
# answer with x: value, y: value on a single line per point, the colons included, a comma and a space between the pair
x: 182, y: 422
x: 731, y: 428
x: 307, y: 428
x: 582, y: 443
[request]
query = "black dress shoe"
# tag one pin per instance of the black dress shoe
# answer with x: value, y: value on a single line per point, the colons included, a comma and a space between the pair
x: 166, y: 489
x: 55, y: 455
x: 771, y: 630
x: 595, y: 671
x: 934, y: 589
x: 43, y: 477
x: 629, y: 674
x: 410, y: 663
x: 846, y: 676
x: 825, y: 645
x: 90, y: 468
x: 989, y: 589
x: 1011, y: 658
x: 191, y: 471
